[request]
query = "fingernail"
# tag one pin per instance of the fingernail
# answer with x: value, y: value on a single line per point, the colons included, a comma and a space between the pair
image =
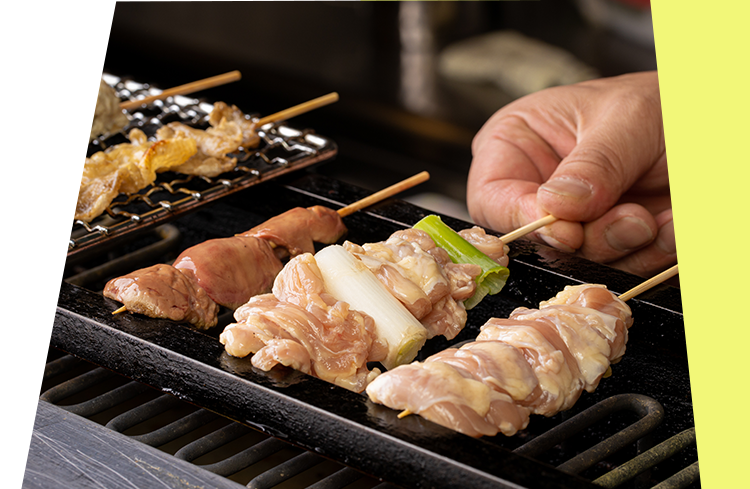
x: 666, y: 240
x: 555, y: 243
x: 568, y: 187
x: 628, y: 234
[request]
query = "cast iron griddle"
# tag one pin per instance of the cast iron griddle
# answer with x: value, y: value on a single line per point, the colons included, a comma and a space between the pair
x: 346, y: 426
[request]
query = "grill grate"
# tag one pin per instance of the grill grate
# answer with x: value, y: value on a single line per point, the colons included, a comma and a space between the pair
x: 336, y: 424
x: 181, y: 435
x: 282, y: 149
x: 180, y: 432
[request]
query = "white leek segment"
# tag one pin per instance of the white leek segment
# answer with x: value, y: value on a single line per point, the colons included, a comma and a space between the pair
x: 348, y: 279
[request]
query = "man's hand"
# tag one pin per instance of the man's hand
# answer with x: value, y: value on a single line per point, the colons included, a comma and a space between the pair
x: 591, y: 154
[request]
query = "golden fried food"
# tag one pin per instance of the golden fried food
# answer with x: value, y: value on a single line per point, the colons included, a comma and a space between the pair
x: 126, y: 168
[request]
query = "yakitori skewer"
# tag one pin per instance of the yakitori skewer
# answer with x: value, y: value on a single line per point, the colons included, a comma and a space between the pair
x: 646, y: 285
x: 276, y: 233
x: 182, y: 149
x: 62, y: 116
x: 185, y: 89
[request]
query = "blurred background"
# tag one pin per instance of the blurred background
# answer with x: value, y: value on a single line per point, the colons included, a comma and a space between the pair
x: 416, y: 79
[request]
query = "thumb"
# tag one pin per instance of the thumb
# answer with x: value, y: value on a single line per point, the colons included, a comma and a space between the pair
x: 606, y: 162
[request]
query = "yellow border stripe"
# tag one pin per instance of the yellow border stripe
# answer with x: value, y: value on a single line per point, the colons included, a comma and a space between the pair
x: 701, y: 50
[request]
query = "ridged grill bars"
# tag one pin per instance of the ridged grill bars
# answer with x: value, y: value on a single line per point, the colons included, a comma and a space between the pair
x: 260, y: 447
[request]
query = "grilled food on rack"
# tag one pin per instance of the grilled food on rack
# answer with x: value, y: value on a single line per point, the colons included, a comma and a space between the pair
x: 63, y: 115
x: 230, y: 131
x: 130, y: 167
x: 406, y: 287
x: 538, y: 361
x: 126, y: 168
x: 224, y: 271
x: 221, y: 110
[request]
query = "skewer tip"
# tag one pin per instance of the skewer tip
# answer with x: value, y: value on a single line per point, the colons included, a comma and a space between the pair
x: 404, y: 413
x: 118, y: 311
x: 385, y: 193
x: 652, y: 282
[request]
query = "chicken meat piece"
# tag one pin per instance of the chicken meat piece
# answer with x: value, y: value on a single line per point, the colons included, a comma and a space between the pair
x: 422, y: 277
x: 301, y: 326
x: 296, y: 229
x: 221, y: 110
x: 542, y: 359
x: 63, y: 115
x: 231, y: 270
x: 213, y: 147
x: 490, y: 245
x: 549, y: 357
x: 162, y: 291
x: 450, y: 397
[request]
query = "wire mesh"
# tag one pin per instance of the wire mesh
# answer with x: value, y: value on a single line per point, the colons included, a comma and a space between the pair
x: 282, y: 149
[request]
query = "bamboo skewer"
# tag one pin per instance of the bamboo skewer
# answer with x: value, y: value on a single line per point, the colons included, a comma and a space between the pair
x: 384, y: 194
x: 652, y: 282
x: 524, y: 230
x: 185, y: 89
x: 298, y: 109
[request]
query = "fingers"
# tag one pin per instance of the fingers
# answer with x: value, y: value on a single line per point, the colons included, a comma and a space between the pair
x: 656, y: 257
x: 576, y: 152
x: 509, y: 163
x: 618, y: 144
x: 621, y: 231
x: 630, y: 238
x: 593, y: 177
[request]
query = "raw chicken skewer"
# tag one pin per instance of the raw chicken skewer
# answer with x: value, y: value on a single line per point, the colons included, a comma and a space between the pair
x: 331, y: 313
x: 537, y: 361
x: 228, y: 271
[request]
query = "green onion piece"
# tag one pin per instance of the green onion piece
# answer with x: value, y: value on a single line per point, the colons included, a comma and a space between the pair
x: 493, y: 276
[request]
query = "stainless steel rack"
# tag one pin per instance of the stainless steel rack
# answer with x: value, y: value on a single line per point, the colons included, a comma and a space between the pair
x: 282, y: 149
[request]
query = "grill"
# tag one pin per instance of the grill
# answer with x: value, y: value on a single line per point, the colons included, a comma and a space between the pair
x: 636, y: 430
x: 282, y: 149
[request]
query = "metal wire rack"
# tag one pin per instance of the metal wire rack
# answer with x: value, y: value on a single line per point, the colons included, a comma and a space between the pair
x: 282, y: 149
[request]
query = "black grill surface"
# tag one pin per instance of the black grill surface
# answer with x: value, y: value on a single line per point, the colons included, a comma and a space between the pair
x: 344, y: 426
